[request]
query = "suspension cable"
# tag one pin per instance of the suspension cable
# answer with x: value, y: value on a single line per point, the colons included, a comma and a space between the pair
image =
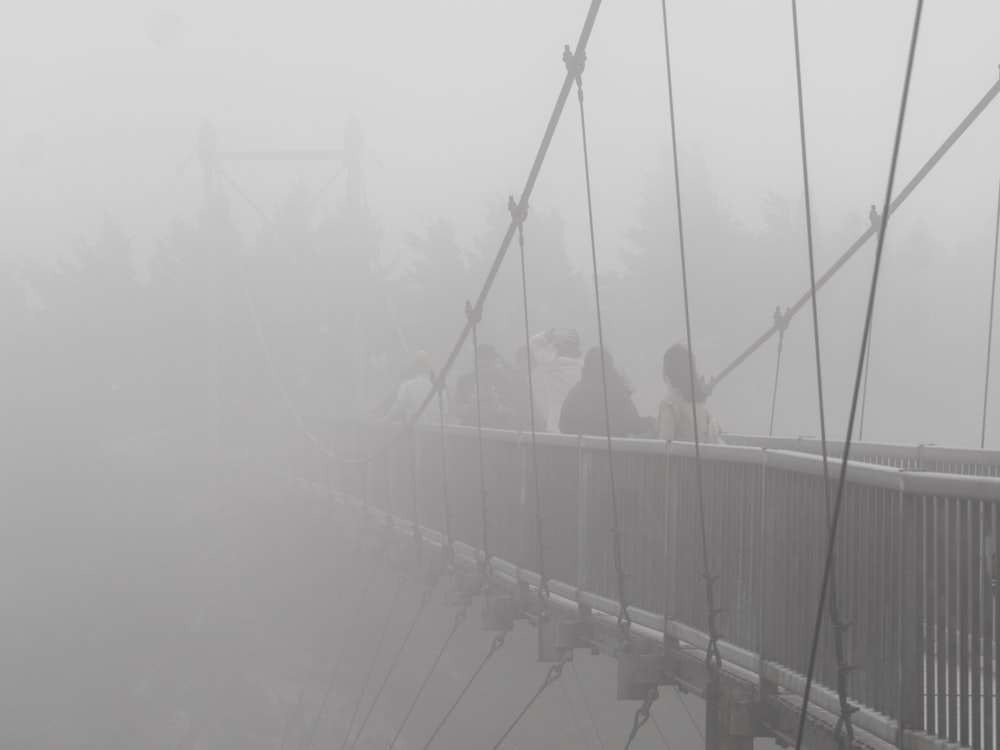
x: 586, y: 704
x: 392, y: 664
x: 555, y: 671
x: 519, y: 213
x: 459, y: 619
x: 641, y: 716
x: 659, y: 731
x: 536, y: 166
x: 713, y: 659
x: 418, y: 539
x: 475, y: 315
x: 449, y: 543
x: 371, y: 664
x: 778, y: 317
x: 864, y: 384
x: 839, y: 627
x: 575, y: 65
x: 989, y: 335
x: 327, y: 637
x: 355, y: 619
x: 576, y: 718
x: 828, y: 565
x: 870, y: 231
x: 498, y: 640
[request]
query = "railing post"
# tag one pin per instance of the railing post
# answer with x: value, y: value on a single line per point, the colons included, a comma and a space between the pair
x: 669, y: 542
x: 911, y: 616
x: 582, y: 505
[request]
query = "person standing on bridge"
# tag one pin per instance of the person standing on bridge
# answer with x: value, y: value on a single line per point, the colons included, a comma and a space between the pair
x: 583, y: 410
x: 556, y: 369
x: 413, y: 392
x: 684, y: 400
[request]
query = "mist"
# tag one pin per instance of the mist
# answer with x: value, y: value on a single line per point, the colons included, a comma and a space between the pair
x: 152, y: 310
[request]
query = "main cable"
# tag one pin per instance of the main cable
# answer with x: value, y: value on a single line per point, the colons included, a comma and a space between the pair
x: 575, y: 66
x: 713, y: 659
x: 498, y: 641
x: 839, y: 628
x: 989, y: 335
x: 828, y: 565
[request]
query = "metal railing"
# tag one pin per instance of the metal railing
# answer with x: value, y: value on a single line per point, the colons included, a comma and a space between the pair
x: 926, y: 457
x: 916, y: 558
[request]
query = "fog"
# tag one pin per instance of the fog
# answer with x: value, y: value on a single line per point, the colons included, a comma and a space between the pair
x: 125, y: 270
x: 104, y: 102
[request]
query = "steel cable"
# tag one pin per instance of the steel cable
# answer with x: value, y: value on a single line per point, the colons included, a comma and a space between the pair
x: 642, y: 715
x: 355, y: 619
x: 575, y: 65
x: 989, y: 335
x: 371, y: 663
x: 519, y: 214
x: 498, y: 641
x: 831, y: 542
x: 713, y: 659
x: 392, y: 665
x: 586, y: 704
x: 844, y: 720
x: 474, y: 316
x: 327, y: 637
x: 555, y: 671
x: 459, y: 619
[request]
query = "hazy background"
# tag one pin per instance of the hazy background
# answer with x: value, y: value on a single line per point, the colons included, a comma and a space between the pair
x: 103, y: 101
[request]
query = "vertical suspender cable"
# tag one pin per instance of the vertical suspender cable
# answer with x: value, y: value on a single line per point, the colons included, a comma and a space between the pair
x: 843, y: 669
x: 713, y: 659
x: 777, y: 373
x: 449, y: 543
x: 831, y: 542
x: 486, y: 567
x: 989, y: 336
x: 519, y: 213
x: 575, y: 66
x: 864, y: 386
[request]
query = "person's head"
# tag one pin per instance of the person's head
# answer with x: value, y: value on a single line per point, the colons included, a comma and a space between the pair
x: 566, y: 342
x: 592, y: 365
x: 677, y: 372
x: 592, y: 369
x: 420, y: 365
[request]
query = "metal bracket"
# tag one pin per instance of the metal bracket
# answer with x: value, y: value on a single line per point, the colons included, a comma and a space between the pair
x: 639, y: 673
x: 498, y: 611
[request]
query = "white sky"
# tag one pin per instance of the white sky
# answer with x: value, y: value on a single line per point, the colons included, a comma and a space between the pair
x: 453, y: 96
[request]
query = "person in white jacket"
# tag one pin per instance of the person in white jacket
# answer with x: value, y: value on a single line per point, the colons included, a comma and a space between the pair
x: 684, y: 402
x: 556, y: 367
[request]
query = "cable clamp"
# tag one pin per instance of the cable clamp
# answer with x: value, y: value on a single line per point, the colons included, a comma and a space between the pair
x: 518, y: 211
x: 574, y: 63
x: 781, y: 319
x: 474, y: 314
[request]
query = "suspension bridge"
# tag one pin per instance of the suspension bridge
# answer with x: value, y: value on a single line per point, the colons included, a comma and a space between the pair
x: 824, y: 594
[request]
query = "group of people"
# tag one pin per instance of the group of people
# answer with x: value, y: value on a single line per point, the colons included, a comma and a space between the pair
x: 573, y: 393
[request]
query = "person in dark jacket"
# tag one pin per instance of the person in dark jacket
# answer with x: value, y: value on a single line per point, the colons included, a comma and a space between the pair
x: 583, y: 410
